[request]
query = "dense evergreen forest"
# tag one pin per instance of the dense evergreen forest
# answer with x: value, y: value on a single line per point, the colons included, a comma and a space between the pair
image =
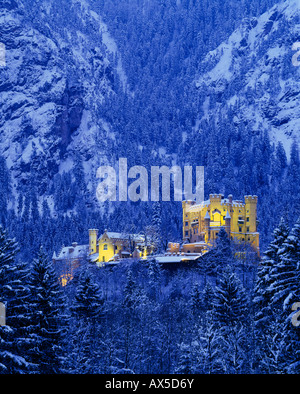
x: 221, y: 316
x: 225, y: 315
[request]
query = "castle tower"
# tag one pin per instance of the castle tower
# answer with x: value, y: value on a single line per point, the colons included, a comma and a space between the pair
x: 251, y: 219
x: 251, y: 212
x: 207, y: 227
x: 228, y: 224
x: 93, y: 238
x: 185, y: 207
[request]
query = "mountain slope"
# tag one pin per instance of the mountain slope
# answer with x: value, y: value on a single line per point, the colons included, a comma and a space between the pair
x: 251, y: 76
x: 60, y: 65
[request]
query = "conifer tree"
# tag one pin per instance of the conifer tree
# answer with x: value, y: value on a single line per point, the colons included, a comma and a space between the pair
x: 47, y: 316
x: 196, y: 299
x: 87, y: 310
x: 208, y: 297
x: 185, y: 362
x: 285, y: 293
x: 14, y: 295
x: 88, y: 303
x: 154, y: 275
x: 265, y: 275
x: 230, y: 300
x: 210, y: 351
x: 286, y: 272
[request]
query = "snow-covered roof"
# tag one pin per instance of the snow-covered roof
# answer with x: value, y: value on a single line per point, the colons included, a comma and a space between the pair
x: 94, y: 257
x: 224, y: 201
x: 72, y: 252
x: 116, y: 235
x: 176, y: 259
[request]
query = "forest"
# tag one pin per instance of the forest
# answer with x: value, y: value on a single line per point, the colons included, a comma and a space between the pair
x: 227, y: 314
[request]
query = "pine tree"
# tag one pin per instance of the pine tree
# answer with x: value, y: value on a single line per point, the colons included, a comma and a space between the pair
x: 286, y: 272
x: 154, y: 275
x: 185, y: 363
x: 196, y: 300
x: 208, y: 297
x: 88, y: 303
x: 230, y: 300
x: 48, y: 322
x: 87, y: 311
x: 234, y: 357
x: 265, y: 275
x: 284, y: 291
x: 14, y: 295
x: 210, y: 351
x: 156, y: 224
x: 129, y: 300
x: 290, y: 343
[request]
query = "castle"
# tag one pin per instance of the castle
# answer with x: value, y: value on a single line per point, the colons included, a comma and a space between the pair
x: 106, y: 249
x: 202, y: 222
x: 201, y: 226
x: 114, y: 246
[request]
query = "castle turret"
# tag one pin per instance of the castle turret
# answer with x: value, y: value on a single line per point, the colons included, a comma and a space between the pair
x: 185, y: 208
x: 215, y: 198
x: 93, y: 238
x: 228, y: 224
x: 207, y: 227
x: 251, y: 220
x: 251, y: 212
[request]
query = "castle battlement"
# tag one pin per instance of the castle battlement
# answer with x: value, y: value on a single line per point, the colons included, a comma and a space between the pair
x: 202, y: 222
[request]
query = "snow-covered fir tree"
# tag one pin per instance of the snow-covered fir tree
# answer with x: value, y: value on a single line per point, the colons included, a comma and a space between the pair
x: 47, y: 317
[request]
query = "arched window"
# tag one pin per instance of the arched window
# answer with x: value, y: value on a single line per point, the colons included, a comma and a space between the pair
x: 105, y: 247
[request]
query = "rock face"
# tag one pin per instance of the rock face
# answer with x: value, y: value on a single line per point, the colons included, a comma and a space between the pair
x: 60, y: 65
x: 252, y: 75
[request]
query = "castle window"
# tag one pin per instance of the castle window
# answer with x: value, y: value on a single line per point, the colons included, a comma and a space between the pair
x: 105, y: 247
x: 186, y: 233
x: 248, y: 229
x: 240, y: 229
x: 186, y: 223
x: 248, y: 219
